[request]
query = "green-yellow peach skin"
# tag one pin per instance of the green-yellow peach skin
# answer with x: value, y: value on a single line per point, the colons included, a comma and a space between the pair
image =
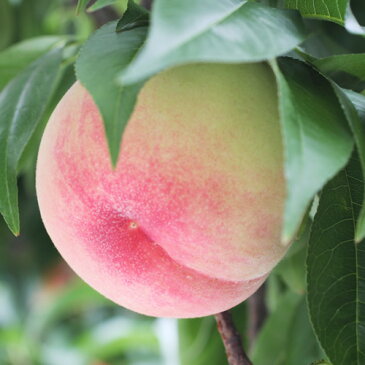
x: 189, y: 222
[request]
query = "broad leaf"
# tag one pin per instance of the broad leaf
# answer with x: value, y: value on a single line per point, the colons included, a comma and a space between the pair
x: 336, y: 271
x: 333, y: 10
x: 103, y: 56
x: 356, y: 120
x: 337, y: 11
x: 22, y: 103
x: 221, y: 31
x: 317, y: 142
x: 17, y: 57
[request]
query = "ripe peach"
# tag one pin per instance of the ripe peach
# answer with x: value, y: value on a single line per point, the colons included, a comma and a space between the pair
x: 189, y: 222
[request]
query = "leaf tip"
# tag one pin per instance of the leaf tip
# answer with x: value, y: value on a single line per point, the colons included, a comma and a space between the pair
x: 359, y: 236
x: 285, y: 239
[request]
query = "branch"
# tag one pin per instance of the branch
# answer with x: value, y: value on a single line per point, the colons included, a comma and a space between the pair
x: 257, y: 313
x: 231, y: 340
x: 147, y: 4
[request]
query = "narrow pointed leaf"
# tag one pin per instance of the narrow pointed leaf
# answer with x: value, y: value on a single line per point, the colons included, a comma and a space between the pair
x: 317, y: 142
x: 353, y: 64
x: 22, y: 103
x: 81, y: 5
x: 110, y: 52
x: 336, y: 270
x: 221, y: 31
x: 17, y: 57
x: 99, y: 4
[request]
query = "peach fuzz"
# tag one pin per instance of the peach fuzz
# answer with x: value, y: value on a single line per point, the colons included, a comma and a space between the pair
x: 188, y: 224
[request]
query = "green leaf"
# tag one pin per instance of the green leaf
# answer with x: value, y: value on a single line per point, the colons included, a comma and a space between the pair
x: 200, y: 342
x: 134, y: 17
x: 336, y: 271
x: 99, y: 4
x: 120, y: 335
x: 302, y: 346
x: 333, y: 10
x: 81, y: 5
x: 72, y: 298
x: 352, y: 25
x: 317, y: 142
x: 287, y: 337
x: 104, y: 55
x: 17, y: 57
x: 353, y: 64
x: 292, y: 268
x: 220, y: 31
x: 6, y: 23
x: 358, y: 129
x: 22, y: 103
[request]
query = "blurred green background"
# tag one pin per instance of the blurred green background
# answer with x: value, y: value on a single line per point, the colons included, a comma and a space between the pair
x: 48, y: 316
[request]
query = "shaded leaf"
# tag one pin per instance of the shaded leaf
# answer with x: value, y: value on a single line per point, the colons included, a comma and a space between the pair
x: 109, y: 52
x: 270, y: 347
x: 222, y: 31
x: 22, y: 103
x: 358, y: 129
x: 302, y: 346
x: 353, y: 64
x: 336, y: 271
x: 134, y: 17
x: 351, y: 23
x: 317, y: 142
x: 292, y: 268
x: 6, y: 23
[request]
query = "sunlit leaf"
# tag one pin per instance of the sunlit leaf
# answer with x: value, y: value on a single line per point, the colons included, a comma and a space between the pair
x: 205, y: 31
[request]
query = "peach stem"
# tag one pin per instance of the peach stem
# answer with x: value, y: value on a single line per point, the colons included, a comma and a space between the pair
x: 231, y: 340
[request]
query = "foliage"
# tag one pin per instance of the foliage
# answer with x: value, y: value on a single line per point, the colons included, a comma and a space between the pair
x: 317, y: 51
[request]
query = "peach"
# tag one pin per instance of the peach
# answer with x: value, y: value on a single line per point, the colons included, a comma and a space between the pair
x: 188, y: 223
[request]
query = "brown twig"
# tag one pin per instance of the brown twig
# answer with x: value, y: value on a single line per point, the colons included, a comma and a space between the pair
x: 257, y: 313
x: 147, y: 4
x: 231, y: 340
